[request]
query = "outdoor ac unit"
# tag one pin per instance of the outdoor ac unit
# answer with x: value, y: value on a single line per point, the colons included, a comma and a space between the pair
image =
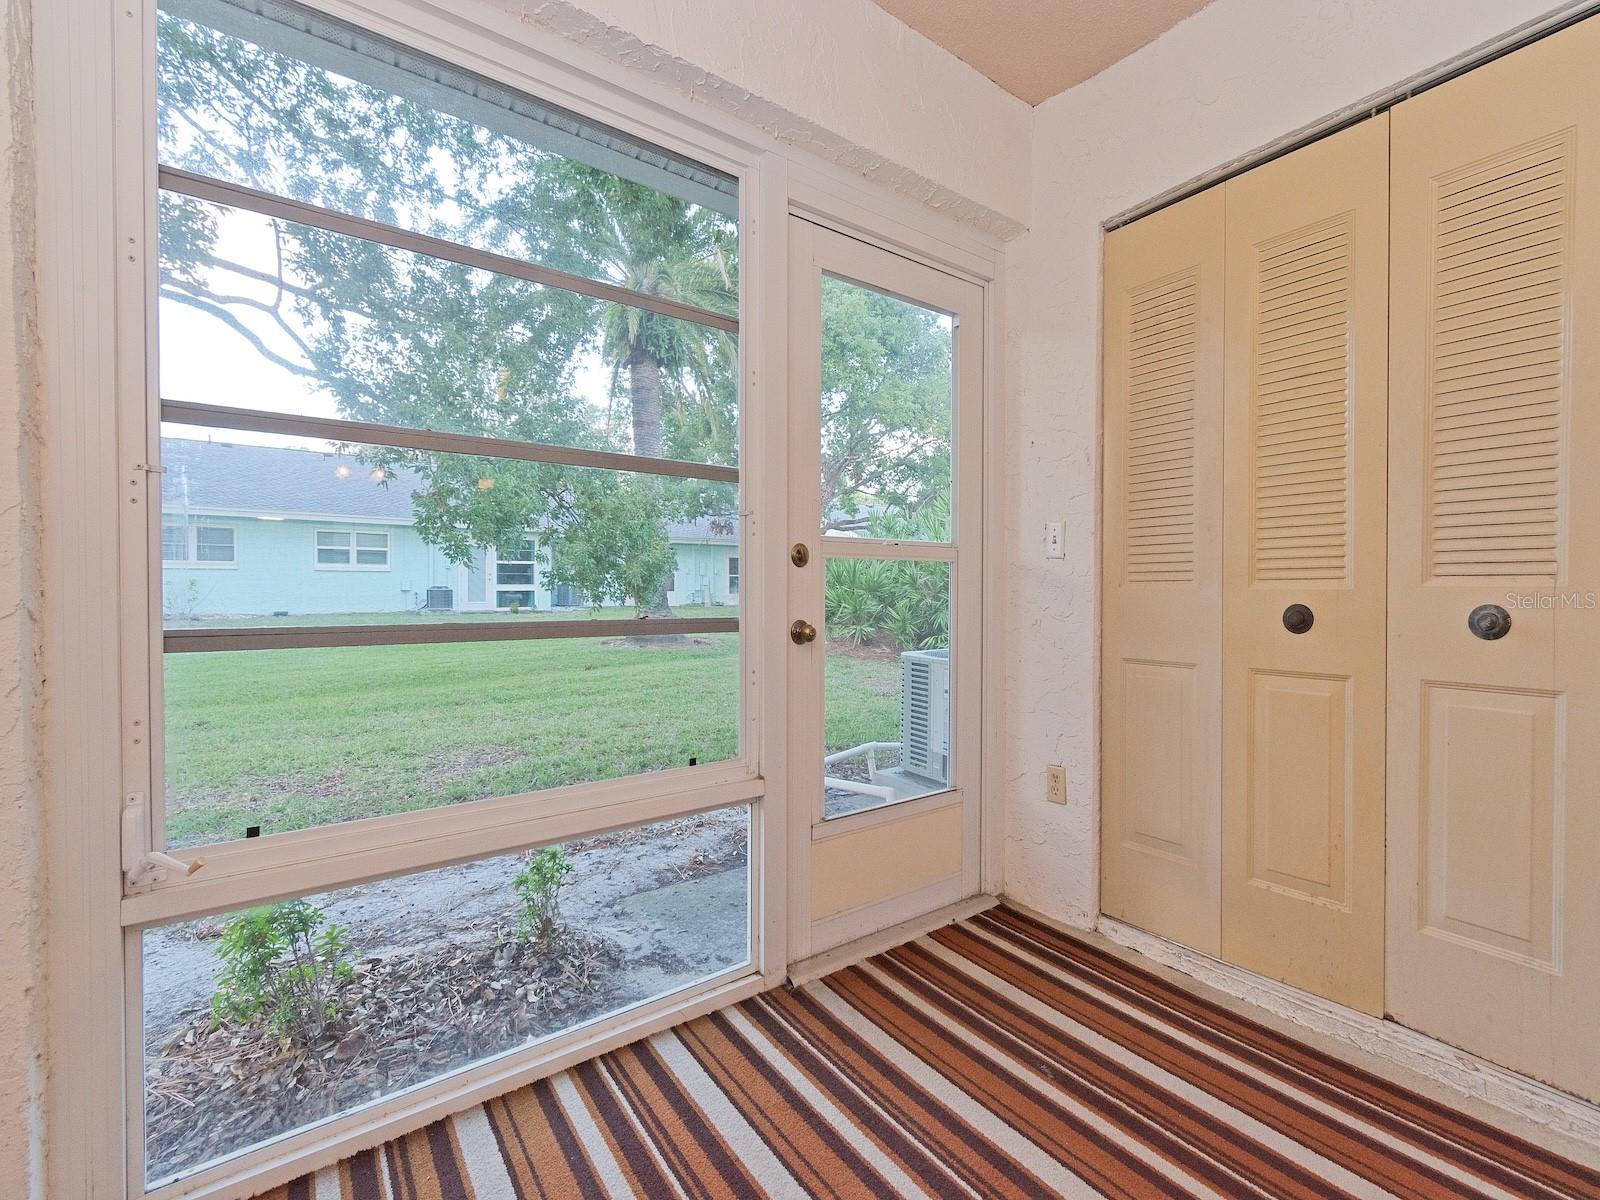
x: 925, y: 714
x: 441, y: 599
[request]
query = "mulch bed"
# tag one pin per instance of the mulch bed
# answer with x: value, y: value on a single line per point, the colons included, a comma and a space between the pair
x: 404, y: 1019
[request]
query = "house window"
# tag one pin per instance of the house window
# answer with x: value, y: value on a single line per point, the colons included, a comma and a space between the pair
x: 199, y: 545
x: 516, y: 572
x: 733, y: 575
x: 214, y: 544
x: 347, y: 550
x: 174, y: 543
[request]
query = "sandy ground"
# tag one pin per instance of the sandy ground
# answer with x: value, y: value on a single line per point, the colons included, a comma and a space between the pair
x: 674, y: 898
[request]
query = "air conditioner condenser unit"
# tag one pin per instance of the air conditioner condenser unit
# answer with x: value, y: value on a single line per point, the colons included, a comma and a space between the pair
x: 925, y: 715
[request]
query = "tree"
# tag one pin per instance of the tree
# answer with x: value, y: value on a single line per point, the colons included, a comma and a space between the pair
x: 408, y: 340
x: 886, y: 407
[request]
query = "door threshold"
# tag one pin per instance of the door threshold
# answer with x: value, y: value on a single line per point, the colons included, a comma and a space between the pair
x: 857, y: 949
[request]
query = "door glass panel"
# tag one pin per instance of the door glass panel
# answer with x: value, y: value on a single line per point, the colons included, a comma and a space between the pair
x: 886, y: 415
x: 408, y: 979
x: 886, y: 683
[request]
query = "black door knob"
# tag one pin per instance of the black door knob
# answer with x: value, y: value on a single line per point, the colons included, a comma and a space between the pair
x: 1489, y: 622
x: 1298, y: 618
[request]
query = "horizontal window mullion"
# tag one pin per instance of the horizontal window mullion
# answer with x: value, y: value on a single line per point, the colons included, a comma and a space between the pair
x: 853, y: 547
x: 290, y: 637
x: 307, y: 861
x: 221, y: 416
x: 233, y: 195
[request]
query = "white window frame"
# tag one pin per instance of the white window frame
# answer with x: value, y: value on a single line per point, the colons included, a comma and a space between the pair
x: 353, y: 549
x: 531, y: 562
x: 98, y: 267
x: 733, y: 574
x: 191, y: 533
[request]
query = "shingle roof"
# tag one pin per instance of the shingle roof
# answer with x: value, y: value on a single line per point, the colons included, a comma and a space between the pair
x: 208, y: 476
x: 278, y: 479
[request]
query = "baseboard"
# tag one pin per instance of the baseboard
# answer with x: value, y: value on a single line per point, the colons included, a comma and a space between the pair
x: 880, y: 940
x: 1428, y: 1057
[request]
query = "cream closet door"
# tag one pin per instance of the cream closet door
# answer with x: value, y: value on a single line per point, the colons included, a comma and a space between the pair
x: 1304, y: 558
x: 1162, y: 630
x: 1494, y: 780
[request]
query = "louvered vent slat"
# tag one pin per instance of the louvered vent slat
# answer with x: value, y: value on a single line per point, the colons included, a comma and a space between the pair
x: 1300, y: 406
x: 1497, y: 365
x: 1160, y: 500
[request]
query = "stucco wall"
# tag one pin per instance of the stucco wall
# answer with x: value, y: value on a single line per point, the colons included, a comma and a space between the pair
x: 21, y: 1040
x: 1237, y: 75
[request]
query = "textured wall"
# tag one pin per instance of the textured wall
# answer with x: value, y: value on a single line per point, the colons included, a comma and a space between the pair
x: 1235, y: 76
x: 840, y: 78
x: 21, y: 1040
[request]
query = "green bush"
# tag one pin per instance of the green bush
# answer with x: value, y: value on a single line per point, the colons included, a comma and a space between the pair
x: 903, y: 600
x: 283, y: 962
x: 539, y: 887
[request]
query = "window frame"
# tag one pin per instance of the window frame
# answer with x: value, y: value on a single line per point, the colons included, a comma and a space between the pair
x: 191, y: 527
x: 99, y: 267
x: 353, y: 549
x: 733, y: 574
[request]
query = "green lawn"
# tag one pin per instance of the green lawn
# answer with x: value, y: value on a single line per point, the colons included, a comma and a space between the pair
x: 286, y: 739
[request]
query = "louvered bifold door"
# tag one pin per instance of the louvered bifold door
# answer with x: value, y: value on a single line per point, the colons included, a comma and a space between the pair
x: 1162, y: 621
x: 1304, y: 557
x: 1494, y: 767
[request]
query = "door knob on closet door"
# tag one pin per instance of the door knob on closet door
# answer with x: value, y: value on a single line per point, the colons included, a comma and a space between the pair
x: 1298, y: 618
x: 1489, y: 622
x: 802, y: 632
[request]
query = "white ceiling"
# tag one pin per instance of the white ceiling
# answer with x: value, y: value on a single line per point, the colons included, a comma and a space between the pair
x: 1036, y: 48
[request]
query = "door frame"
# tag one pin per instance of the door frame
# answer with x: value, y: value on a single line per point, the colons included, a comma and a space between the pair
x: 817, y: 251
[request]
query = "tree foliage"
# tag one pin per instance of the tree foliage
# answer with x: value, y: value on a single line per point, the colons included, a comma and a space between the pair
x: 405, y: 339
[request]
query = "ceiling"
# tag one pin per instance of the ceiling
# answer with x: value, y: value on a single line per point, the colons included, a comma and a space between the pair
x: 1036, y: 48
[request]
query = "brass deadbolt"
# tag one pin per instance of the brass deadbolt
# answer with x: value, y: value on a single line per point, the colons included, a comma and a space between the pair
x: 802, y: 632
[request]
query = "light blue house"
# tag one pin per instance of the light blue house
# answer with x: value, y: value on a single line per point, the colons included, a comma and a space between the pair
x: 266, y: 530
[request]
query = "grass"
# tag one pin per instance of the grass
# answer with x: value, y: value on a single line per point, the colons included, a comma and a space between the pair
x: 287, y: 739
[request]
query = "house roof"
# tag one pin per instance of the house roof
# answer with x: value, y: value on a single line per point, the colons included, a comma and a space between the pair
x: 212, y: 477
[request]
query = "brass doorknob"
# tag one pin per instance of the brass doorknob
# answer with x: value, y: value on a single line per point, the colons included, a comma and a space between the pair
x: 802, y: 632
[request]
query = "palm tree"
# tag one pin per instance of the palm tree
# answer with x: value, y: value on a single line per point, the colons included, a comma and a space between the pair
x: 651, y: 243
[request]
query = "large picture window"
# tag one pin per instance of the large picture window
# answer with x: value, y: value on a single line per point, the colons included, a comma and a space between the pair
x: 459, y: 369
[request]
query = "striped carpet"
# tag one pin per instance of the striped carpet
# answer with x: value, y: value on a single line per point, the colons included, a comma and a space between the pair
x: 992, y: 1058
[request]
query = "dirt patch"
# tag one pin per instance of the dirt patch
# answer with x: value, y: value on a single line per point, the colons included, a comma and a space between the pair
x: 880, y: 649
x: 648, y: 911
x: 402, y: 1020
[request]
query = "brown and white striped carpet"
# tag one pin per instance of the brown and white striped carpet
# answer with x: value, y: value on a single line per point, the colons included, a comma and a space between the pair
x: 992, y: 1058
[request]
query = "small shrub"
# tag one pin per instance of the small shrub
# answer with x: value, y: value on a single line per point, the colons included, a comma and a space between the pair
x: 283, y: 962
x: 539, y: 887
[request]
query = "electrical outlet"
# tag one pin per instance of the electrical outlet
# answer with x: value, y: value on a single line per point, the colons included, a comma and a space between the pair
x: 1055, y: 784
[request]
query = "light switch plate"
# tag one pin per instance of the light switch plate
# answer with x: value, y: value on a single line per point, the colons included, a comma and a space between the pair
x: 1055, y: 784
x: 1052, y: 540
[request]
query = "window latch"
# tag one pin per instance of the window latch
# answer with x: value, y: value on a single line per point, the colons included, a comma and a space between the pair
x: 149, y: 468
x: 142, y: 866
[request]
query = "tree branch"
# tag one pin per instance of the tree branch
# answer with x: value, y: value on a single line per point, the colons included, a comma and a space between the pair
x: 232, y: 322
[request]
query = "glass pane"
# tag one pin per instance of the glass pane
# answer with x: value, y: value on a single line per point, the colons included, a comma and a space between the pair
x: 426, y: 974
x: 271, y: 315
x: 887, y: 412
x: 287, y: 739
x: 313, y: 534
x: 886, y: 683
x: 301, y: 106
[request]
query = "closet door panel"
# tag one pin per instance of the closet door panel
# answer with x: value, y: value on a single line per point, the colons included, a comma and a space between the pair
x: 1304, y: 563
x: 1494, y: 784
x: 1162, y: 577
